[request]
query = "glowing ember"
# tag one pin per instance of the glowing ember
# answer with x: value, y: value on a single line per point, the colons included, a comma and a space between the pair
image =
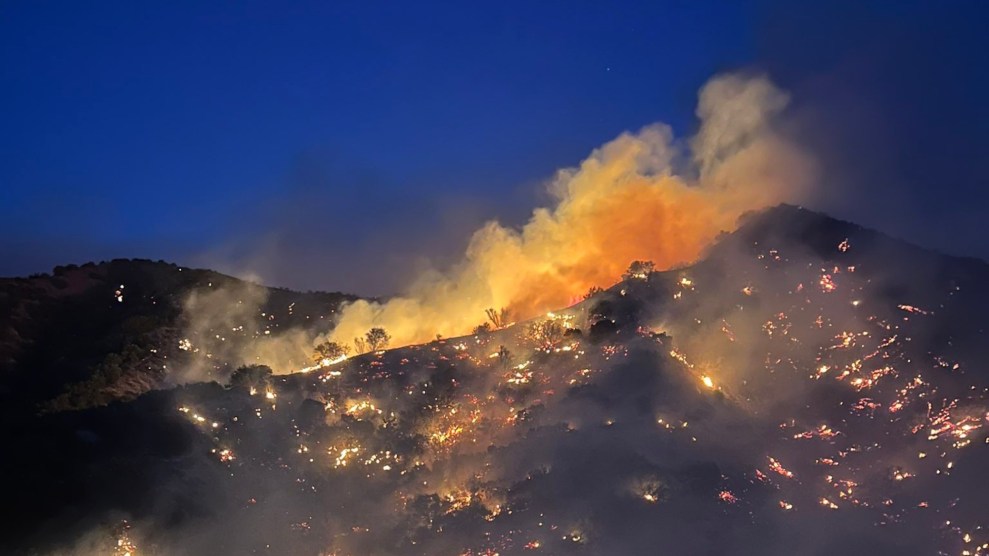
x: 727, y: 497
x: 778, y: 468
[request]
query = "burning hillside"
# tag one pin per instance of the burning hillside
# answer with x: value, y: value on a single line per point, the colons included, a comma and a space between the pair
x: 808, y: 387
x: 641, y: 196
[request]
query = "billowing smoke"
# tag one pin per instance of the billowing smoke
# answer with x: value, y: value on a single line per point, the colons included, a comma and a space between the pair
x: 642, y: 196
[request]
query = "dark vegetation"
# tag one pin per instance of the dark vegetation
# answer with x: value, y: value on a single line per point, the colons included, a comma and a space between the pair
x: 67, y: 340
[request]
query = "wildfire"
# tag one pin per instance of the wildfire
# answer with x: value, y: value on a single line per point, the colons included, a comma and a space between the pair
x: 567, y: 248
x: 460, y: 404
x: 476, y: 431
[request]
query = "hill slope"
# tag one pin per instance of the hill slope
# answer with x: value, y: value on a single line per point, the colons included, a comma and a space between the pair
x: 810, y: 387
x: 86, y: 335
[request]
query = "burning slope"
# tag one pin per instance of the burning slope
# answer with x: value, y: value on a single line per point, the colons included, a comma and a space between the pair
x: 639, y: 197
x: 745, y: 404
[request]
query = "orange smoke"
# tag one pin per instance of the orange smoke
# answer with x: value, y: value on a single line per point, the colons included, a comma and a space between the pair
x: 627, y: 201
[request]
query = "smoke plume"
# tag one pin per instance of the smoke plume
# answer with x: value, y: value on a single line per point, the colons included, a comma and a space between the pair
x: 641, y: 196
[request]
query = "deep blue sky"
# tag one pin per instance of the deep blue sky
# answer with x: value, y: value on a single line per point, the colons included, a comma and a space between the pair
x: 328, y: 144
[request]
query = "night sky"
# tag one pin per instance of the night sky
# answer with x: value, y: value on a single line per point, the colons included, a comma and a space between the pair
x: 331, y: 145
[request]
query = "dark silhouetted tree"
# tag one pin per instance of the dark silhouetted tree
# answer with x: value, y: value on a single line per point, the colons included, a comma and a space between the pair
x: 377, y: 338
x: 498, y: 319
x: 640, y: 270
x: 546, y: 333
x: 329, y: 350
x: 251, y: 376
x: 592, y: 291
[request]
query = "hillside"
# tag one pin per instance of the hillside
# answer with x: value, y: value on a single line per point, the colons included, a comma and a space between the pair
x: 808, y: 387
x: 86, y: 335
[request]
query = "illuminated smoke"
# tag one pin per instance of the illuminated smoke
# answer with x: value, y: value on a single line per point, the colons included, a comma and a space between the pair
x: 642, y: 196
x: 221, y: 332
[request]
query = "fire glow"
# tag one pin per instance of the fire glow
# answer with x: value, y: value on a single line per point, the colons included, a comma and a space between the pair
x: 739, y: 165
